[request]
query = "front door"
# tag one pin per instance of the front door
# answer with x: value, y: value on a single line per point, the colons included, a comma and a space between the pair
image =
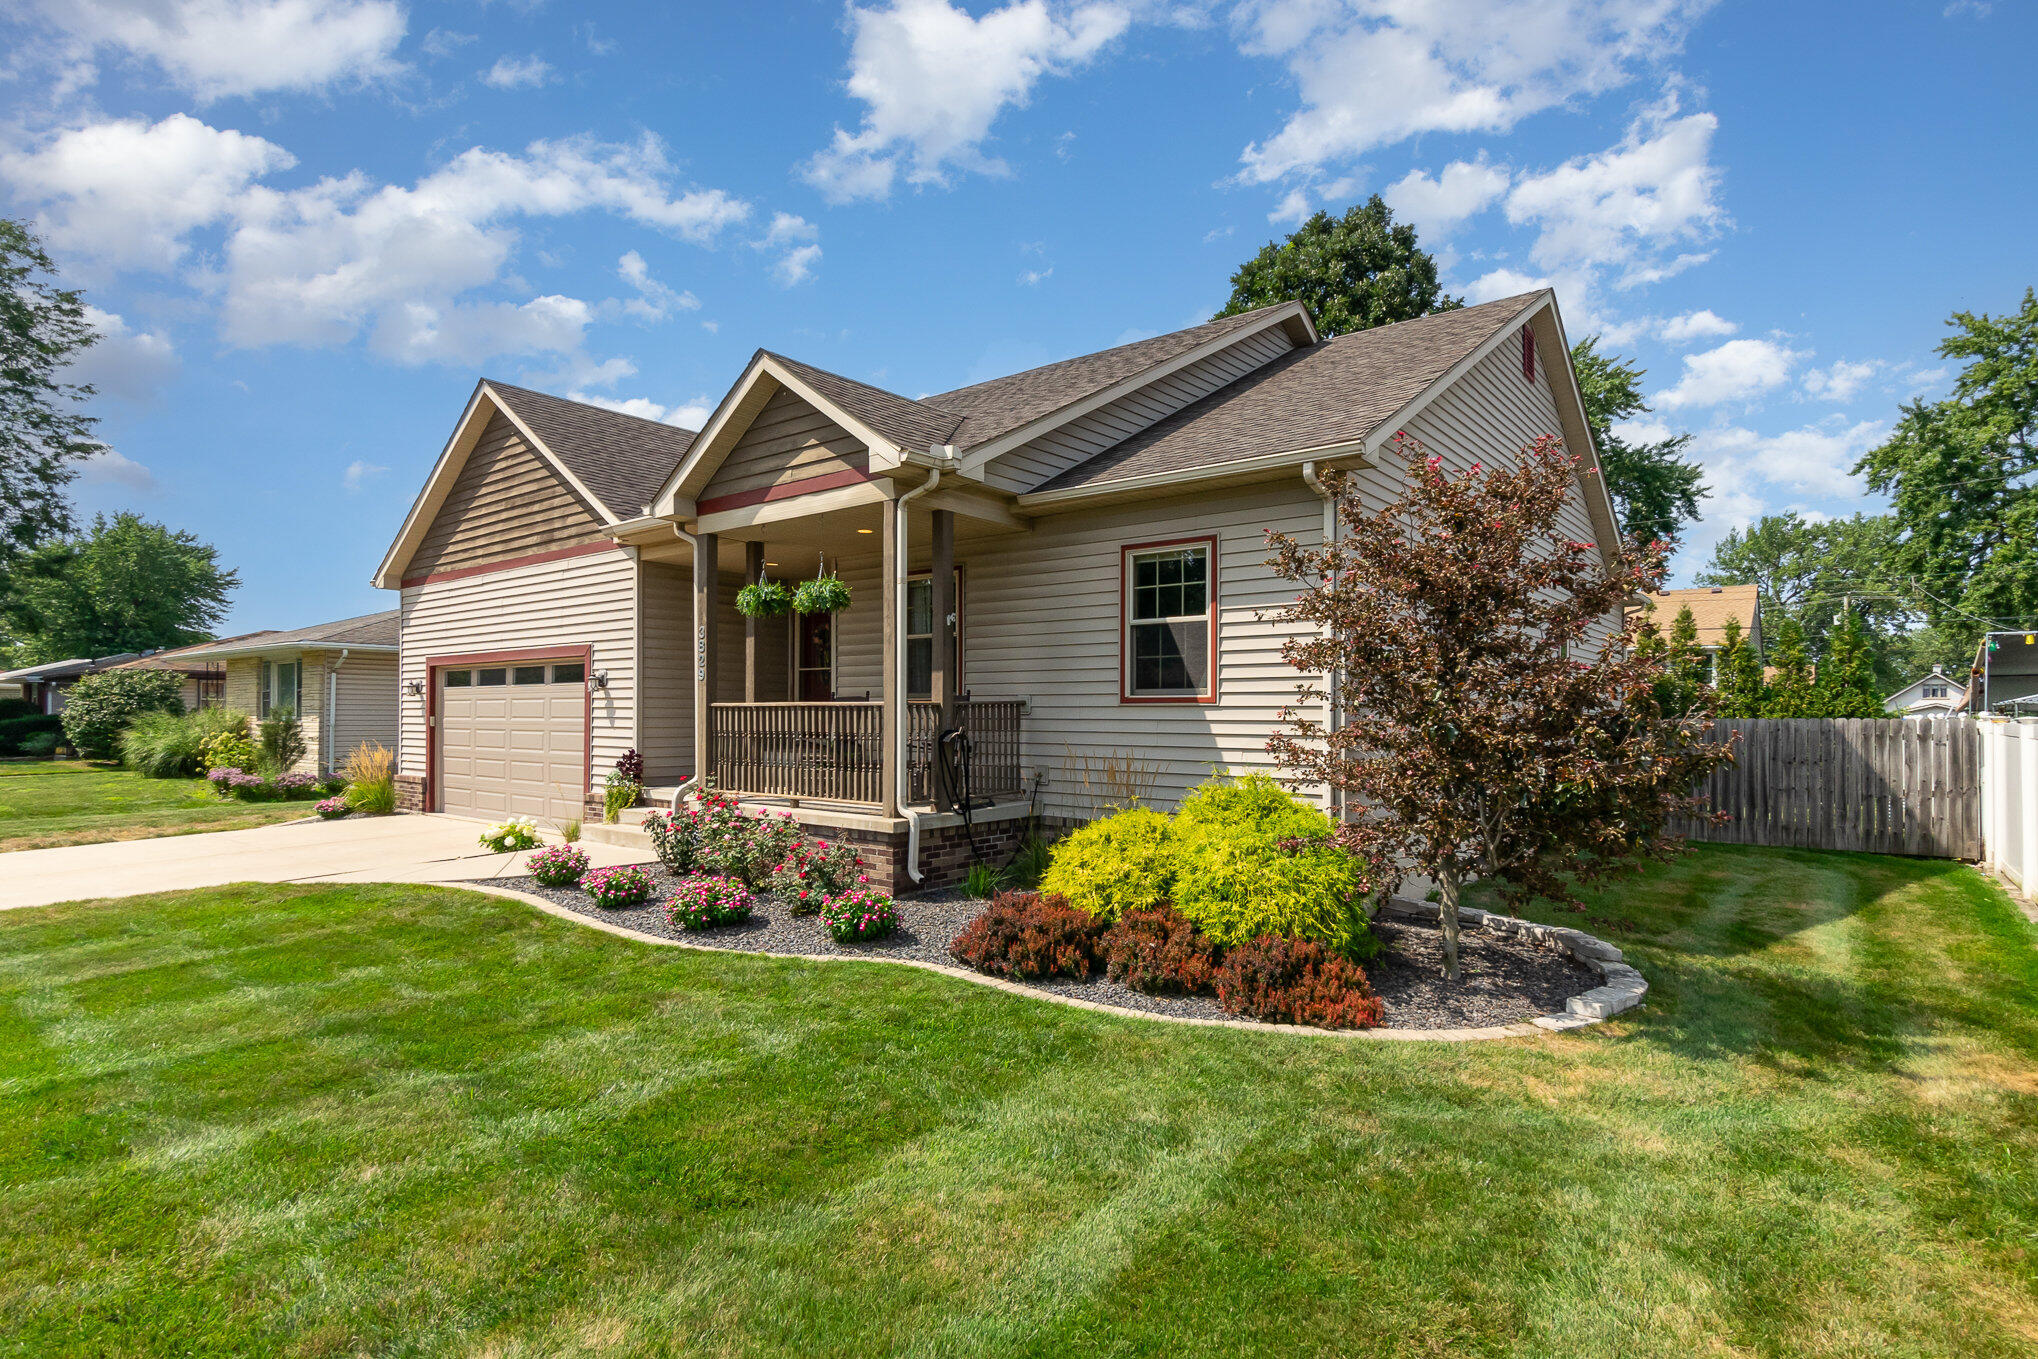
x: 814, y: 658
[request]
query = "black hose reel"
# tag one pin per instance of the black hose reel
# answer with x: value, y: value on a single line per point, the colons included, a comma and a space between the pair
x: 954, y: 759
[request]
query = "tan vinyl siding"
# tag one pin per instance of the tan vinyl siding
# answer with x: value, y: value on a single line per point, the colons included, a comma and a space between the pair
x: 506, y: 502
x: 589, y: 601
x: 365, y: 696
x: 788, y: 441
x: 1030, y: 464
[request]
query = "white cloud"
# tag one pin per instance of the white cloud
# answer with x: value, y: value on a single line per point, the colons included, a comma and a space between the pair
x: 1621, y: 208
x: 321, y: 264
x: 130, y: 192
x: 1371, y: 73
x: 787, y: 228
x: 1693, y: 325
x: 1216, y: 234
x: 108, y: 468
x: 1817, y: 458
x: 1436, y: 206
x: 690, y: 415
x: 654, y: 300
x: 796, y: 265
x: 123, y: 362
x: 441, y: 43
x: 1842, y: 380
x: 1735, y: 371
x: 217, y: 48
x: 1498, y: 283
x: 517, y: 73
x: 934, y: 79
x: 1293, y: 207
x: 1033, y: 278
x: 359, y: 473
x: 1970, y: 9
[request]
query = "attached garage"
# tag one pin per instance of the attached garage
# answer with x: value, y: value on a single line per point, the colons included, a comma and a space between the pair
x: 511, y: 737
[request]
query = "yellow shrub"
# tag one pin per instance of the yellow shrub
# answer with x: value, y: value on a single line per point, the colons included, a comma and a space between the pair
x: 1119, y: 863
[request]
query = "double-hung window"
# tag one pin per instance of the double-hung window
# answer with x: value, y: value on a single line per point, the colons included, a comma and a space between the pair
x: 1170, y: 607
x: 920, y: 635
x: 279, y: 686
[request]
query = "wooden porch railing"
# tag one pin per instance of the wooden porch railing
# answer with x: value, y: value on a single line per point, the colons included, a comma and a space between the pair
x: 832, y: 752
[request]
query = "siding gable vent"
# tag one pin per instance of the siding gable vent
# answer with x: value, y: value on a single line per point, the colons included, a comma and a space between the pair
x: 1528, y: 355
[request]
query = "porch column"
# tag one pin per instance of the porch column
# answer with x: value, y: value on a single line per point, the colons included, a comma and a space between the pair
x: 891, y: 734
x: 942, y: 684
x: 753, y: 567
x: 707, y: 653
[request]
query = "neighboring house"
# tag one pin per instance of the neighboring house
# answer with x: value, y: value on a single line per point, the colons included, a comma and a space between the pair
x: 45, y: 685
x: 339, y: 678
x: 1712, y: 606
x: 204, y: 675
x: 1935, y: 695
x: 2005, y: 674
x: 1078, y: 551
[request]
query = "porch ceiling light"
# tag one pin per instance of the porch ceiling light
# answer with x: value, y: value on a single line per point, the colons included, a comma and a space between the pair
x: 866, y: 530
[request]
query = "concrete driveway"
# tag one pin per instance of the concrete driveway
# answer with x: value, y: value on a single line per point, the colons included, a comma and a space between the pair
x: 358, y: 849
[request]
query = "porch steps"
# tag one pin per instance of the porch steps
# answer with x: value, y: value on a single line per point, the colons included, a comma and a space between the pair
x: 625, y: 834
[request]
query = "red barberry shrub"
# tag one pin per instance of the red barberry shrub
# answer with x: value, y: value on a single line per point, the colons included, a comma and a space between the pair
x: 1026, y: 936
x: 1159, y: 951
x: 1296, y: 981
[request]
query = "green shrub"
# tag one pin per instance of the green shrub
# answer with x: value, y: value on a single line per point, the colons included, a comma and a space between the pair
x: 37, y: 735
x: 175, y: 745
x: 1123, y: 862
x: 229, y: 747
x: 1240, y: 872
x: 98, y: 708
x: 11, y: 708
x: 282, y: 742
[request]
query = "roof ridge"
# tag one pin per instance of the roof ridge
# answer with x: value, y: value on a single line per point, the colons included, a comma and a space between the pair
x: 857, y: 382
x: 1110, y: 349
x: 587, y: 405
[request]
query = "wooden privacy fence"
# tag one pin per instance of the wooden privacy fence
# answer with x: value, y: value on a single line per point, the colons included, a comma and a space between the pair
x: 1881, y: 785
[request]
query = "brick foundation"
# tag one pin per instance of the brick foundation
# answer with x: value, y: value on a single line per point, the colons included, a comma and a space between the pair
x: 410, y: 793
x: 945, y: 853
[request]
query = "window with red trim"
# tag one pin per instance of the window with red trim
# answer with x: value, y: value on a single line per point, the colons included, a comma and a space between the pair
x: 1170, y: 610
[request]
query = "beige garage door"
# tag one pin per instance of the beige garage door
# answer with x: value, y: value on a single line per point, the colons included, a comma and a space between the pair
x: 513, y: 740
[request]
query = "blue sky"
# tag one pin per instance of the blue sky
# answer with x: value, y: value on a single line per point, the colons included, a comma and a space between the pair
x: 307, y: 226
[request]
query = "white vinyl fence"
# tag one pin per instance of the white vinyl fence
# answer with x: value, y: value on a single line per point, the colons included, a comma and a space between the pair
x: 2009, y: 798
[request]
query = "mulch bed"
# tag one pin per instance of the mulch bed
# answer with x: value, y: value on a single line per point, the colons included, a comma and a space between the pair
x: 1503, y: 981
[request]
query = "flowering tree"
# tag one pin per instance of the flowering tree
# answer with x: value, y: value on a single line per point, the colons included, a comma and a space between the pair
x: 1497, y: 719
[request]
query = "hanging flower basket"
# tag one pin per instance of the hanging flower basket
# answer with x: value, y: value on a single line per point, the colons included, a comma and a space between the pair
x: 764, y: 599
x: 823, y: 594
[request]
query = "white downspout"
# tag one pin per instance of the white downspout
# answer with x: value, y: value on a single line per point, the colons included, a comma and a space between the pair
x: 1315, y: 483
x: 896, y: 700
x: 327, y: 723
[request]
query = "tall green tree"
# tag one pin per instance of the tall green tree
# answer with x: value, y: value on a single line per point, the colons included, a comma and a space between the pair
x: 1655, y: 491
x: 44, y: 433
x: 1959, y: 474
x: 1788, y: 691
x: 1846, y: 685
x: 1682, y: 687
x: 1354, y: 272
x: 125, y: 585
x: 1737, y: 674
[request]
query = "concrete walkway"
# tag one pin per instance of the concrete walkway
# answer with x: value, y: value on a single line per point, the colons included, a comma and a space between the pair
x: 357, y: 849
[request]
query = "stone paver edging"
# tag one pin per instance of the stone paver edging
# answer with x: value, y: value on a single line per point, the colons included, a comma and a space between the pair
x: 1622, y: 987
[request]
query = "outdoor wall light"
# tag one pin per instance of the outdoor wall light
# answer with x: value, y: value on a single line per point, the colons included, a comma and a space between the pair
x: 415, y: 688
x: 601, y: 679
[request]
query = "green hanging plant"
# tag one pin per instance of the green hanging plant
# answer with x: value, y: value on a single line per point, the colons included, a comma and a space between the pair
x: 764, y: 599
x: 822, y: 594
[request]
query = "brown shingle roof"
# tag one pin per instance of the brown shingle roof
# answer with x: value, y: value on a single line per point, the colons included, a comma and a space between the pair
x: 178, y: 657
x: 1336, y: 392
x: 907, y: 423
x: 1711, y: 606
x: 997, y: 407
x: 623, y: 459
x: 369, y: 629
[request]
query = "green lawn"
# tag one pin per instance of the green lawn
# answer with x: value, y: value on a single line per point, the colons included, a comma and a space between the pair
x: 348, y: 1120
x: 74, y: 802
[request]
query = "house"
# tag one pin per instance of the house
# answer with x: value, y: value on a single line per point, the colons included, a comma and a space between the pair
x: 339, y: 678
x: 45, y: 685
x: 1068, y: 564
x: 1935, y: 695
x: 2005, y: 674
x: 204, y: 675
x: 1712, y: 606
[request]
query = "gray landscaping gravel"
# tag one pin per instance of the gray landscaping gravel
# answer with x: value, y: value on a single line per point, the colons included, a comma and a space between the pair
x: 1503, y: 982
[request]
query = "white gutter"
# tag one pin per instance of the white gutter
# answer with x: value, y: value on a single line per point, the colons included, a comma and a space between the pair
x: 326, y: 723
x: 1330, y: 679
x: 895, y: 701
